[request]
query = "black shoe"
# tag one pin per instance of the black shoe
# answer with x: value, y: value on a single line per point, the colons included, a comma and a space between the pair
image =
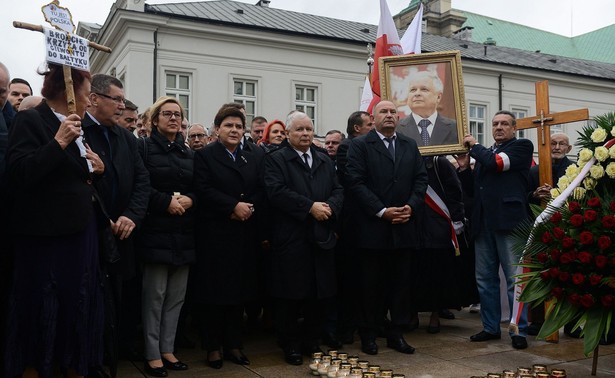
x: 534, y: 328
x: 214, y: 364
x: 519, y: 342
x: 155, y: 371
x: 399, y: 344
x: 574, y: 333
x: 97, y: 372
x: 484, y: 336
x: 330, y: 340
x: 446, y: 314
x: 369, y: 346
x: 236, y: 356
x: 177, y: 365
x: 293, y: 357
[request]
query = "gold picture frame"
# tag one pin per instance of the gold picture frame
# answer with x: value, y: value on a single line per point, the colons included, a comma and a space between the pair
x: 405, y: 80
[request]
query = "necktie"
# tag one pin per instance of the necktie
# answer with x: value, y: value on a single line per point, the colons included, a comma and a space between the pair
x: 305, y: 158
x: 423, y: 124
x: 391, y: 146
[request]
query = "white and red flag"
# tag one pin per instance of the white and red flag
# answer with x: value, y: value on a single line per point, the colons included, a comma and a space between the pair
x: 389, y: 44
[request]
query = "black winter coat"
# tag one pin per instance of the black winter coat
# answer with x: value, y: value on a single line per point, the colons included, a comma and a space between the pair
x: 228, y: 250
x: 166, y: 238
x: 300, y: 269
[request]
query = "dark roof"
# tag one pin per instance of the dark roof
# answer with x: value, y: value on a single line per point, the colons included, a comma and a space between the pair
x: 231, y: 13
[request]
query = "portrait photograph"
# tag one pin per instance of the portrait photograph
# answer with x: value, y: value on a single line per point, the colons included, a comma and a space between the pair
x: 428, y: 92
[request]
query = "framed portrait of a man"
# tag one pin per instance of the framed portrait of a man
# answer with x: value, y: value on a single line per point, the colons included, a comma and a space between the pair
x: 428, y: 92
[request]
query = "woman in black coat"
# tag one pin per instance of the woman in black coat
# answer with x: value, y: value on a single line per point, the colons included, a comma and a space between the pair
x: 56, y: 307
x: 166, y: 241
x: 228, y: 184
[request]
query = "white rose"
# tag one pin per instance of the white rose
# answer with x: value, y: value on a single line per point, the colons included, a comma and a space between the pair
x: 589, y: 183
x: 610, y: 170
x: 563, y: 182
x: 599, y: 135
x: 596, y: 171
x: 572, y: 170
x: 585, y: 155
x: 612, y: 149
x: 555, y: 192
x: 601, y: 153
x: 578, y: 193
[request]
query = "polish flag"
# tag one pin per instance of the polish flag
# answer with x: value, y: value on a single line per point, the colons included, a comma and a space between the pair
x: 389, y: 44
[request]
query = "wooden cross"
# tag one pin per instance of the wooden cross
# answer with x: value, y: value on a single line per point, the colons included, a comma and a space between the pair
x: 543, y: 121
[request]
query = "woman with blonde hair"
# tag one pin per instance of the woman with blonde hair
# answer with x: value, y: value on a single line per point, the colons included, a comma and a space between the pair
x: 166, y: 240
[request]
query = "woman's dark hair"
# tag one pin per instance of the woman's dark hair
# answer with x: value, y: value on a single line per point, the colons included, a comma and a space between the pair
x: 53, y: 83
x: 229, y: 111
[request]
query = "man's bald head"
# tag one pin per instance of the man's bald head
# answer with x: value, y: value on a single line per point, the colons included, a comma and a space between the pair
x: 5, y: 78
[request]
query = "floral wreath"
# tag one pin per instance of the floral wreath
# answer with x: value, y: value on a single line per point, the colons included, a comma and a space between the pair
x: 568, y: 254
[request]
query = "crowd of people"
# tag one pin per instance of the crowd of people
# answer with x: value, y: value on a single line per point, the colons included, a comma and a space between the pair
x: 113, y: 219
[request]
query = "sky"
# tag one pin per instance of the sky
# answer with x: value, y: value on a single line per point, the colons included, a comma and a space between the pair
x: 25, y: 52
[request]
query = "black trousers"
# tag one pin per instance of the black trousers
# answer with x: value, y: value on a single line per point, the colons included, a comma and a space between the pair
x: 221, y: 326
x: 287, y: 313
x: 384, y: 286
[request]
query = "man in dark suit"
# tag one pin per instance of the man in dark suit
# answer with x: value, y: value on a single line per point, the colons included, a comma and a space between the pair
x: 388, y: 182
x: 305, y: 201
x: 500, y: 204
x: 425, y: 125
x: 124, y: 189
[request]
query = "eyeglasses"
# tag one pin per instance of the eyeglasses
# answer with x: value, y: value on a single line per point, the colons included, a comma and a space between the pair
x: 116, y: 99
x: 167, y: 114
x: 196, y: 136
x: 562, y: 144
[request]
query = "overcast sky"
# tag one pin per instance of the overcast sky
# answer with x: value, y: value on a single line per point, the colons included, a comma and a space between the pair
x: 24, y: 50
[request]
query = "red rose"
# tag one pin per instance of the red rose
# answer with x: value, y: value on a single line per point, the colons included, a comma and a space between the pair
x: 601, y: 261
x: 590, y: 215
x: 576, y: 220
x: 585, y: 257
x: 566, y: 258
x: 607, y: 301
x: 567, y: 242
x: 555, y: 254
x: 578, y: 278
x: 574, y: 299
x: 608, y: 221
x: 587, y: 300
x: 593, y: 202
x: 558, y: 233
x: 612, y: 206
x: 586, y: 238
x: 556, y: 217
x: 545, y: 275
x: 554, y: 272
x: 564, y: 276
x: 595, y: 279
x: 546, y: 237
x: 604, y: 242
x: 557, y: 292
x: 574, y: 207
x: 542, y: 257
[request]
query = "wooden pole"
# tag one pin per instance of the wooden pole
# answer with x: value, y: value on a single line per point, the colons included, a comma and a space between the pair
x: 70, y: 90
x: 595, y: 360
x: 39, y: 28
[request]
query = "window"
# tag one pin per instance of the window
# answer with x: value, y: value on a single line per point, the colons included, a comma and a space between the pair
x: 306, y: 101
x: 244, y: 92
x: 478, y: 122
x: 179, y: 85
x: 520, y: 113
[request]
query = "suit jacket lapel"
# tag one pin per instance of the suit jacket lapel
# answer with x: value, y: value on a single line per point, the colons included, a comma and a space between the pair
x: 222, y: 156
x: 373, y: 138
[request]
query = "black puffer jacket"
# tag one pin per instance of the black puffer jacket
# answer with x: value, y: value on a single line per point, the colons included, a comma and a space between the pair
x: 166, y: 238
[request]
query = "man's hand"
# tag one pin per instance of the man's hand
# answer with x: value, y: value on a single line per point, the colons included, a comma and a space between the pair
x: 185, y: 201
x: 463, y: 161
x: 397, y: 215
x: 542, y: 192
x: 469, y: 141
x: 175, y: 208
x: 123, y: 227
x: 321, y: 211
